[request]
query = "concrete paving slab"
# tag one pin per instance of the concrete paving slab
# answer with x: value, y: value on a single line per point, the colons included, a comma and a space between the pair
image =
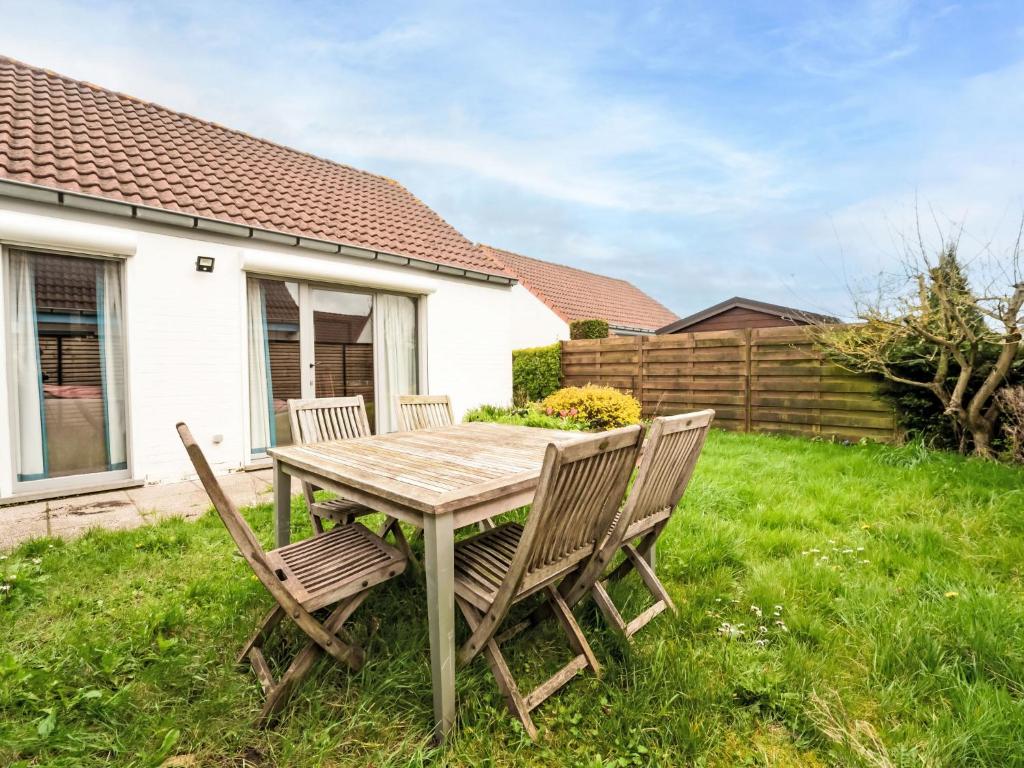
x: 17, y: 524
x: 157, y: 502
x: 74, y: 516
x: 129, y: 508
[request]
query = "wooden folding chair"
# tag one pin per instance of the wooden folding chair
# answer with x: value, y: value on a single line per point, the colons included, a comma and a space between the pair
x: 335, y: 570
x: 329, y: 418
x: 581, y: 487
x: 424, y: 411
x: 336, y: 418
x: 669, y: 456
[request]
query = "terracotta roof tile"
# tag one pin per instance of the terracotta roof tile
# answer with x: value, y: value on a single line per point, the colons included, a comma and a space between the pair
x: 74, y: 136
x: 574, y: 294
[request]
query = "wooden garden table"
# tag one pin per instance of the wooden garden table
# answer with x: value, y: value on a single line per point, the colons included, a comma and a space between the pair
x: 437, y: 479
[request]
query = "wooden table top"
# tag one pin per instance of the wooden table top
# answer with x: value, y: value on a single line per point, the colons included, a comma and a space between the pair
x: 432, y: 470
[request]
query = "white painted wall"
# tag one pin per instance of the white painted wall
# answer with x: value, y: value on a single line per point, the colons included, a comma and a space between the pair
x: 533, y: 322
x: 187, y: 337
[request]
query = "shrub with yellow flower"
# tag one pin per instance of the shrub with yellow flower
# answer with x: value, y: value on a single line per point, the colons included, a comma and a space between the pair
x: 600, y: 407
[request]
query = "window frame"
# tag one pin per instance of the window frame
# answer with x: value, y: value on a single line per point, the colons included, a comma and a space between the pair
x: 85, y: 480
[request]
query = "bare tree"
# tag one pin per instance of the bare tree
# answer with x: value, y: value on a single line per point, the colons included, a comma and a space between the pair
x: 931, y: 331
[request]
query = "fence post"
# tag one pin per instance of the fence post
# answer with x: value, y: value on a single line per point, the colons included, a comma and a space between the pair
x: 561, y: 363
x: 748, y: 338
x: 638, y: 379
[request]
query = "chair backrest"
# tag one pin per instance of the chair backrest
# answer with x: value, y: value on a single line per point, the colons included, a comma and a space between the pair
x: 328, y: 418
x: 246, y: 541
x: 424, y: 411
x: 669, y: 456
x: 673, y: 446
x: 581, y: 487
x: 240, y: 531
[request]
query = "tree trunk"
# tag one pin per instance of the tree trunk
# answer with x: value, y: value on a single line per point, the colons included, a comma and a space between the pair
x: 981, y: 435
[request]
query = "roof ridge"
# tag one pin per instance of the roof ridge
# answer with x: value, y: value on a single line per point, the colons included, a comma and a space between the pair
x: 189, y: 116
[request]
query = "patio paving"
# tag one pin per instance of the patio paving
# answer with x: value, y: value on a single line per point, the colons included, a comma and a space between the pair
x: 129, y: 508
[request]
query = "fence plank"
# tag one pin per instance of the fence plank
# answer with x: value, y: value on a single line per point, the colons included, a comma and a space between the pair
x: 757, y: 380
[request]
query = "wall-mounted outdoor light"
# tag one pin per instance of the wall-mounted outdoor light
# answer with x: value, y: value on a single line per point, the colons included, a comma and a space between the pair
x: 204, y: 263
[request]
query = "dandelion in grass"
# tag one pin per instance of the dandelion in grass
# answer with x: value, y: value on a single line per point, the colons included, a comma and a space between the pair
x: 731, y: 631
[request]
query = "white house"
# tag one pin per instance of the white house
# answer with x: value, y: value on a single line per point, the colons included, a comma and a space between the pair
x: 550, y: 296
x: 158, y: 268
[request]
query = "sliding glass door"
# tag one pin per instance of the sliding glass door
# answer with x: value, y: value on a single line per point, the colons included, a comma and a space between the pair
x: 66, y: 367
x: 308, y: 340
x: 343, y: 345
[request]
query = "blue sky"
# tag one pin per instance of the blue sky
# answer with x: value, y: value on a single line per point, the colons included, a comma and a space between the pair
x: 701, y: 150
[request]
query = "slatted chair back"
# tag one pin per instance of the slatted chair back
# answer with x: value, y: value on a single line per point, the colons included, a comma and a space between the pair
x: 581, y: 487
x: 424, y: 411
x: 328, y: 418
x: 325, y: 418
x: 669, y: 458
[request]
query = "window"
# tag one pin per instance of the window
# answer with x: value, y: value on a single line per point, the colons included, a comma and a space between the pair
x: 66, y: 362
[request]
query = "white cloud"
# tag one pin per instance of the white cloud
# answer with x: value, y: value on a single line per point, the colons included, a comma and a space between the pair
x: 635, y: 143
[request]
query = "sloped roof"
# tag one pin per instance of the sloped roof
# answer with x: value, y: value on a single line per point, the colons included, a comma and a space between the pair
x: 77, y: 137
x: 738, y: 302
x: 574, y: 294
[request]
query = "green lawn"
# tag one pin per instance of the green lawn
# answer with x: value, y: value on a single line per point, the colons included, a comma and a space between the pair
x: 888, y: 583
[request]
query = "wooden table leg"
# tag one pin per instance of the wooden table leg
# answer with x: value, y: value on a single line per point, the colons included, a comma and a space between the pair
x: 282, y: 505
x: 439, y: 548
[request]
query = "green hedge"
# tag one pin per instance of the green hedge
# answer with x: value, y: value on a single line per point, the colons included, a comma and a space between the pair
x: 536, y: 372
x: 588, y: 329
x: 525, y: 417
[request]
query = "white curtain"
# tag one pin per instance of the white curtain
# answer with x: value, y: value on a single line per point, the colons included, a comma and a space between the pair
x: 31, y: 459
x: 110, y: 322
x: 261, y: 395
x: 394, y: 330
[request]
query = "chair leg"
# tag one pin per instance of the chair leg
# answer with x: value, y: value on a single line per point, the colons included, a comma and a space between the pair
x: 608, y: 610
x: 317, y: 523
x: 278, y: 692
x: 499, y: 668
x: 650, y: 579
x: 393, y: 526
x: 634, y: 560
x: 577, y: 640
x: 521, y: 706
x: 266, y: 626
x: 645, y: 546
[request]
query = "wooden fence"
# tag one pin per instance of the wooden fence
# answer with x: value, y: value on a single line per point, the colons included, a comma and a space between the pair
x: 757, y: 380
